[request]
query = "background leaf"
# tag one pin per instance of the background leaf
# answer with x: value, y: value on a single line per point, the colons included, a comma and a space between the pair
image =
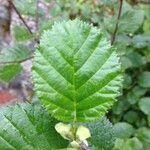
x: 144, y: 79
x: 27, y: 7
x: 144, y: 105
x: 129, y: 144
x: 125, y: 25
x: 28, y: 126
x: 102, y: 134
x: 21, y: 34
x: 14, y: 54
x: 8, y: 72
x: 123, y: 130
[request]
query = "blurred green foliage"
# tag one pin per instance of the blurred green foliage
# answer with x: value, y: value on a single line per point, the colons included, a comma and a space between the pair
x: 131, y: 114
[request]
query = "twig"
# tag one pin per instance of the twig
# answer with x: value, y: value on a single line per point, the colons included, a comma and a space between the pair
x: 37, y: 16
x: 21, y: 18
x: 143, y: 2
x: 116, y: 27
x: 9, y: 11
x: 19, y: 61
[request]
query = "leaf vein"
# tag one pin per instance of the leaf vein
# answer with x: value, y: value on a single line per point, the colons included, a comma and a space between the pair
x: 47, y: 81
x: 45, y: 58
x: 96, y: 71
x: 89, y: 55
x: 88, y: 35
x: 98, y: 89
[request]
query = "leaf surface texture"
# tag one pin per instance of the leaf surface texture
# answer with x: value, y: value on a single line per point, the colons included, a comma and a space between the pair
x: 76, y: 72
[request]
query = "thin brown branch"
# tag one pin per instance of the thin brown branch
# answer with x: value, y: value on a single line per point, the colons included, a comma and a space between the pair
x: 116, y: 27
x: 143, y: 2
x: 20, y: 16
x: 22, y: 19
x: 9, y: 7
x: 37, y: 16
x: 17, y: 62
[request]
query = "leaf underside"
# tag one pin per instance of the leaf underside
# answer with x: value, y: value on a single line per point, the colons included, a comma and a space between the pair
x: 28, y: 127
x: 76, y: 72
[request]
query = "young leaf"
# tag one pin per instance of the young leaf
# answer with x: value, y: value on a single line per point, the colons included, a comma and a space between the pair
x: 102, y: 134
x: 8, y: 72
x: 27, y: 7
x: 21, y: 34
x: 28, y: 127
x: 76, y: 72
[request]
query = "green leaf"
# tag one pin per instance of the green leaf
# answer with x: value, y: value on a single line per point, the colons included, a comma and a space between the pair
x: 14, y: 54
x: 139, y: 91
x: 127, y: 81
x: 8, y: 72
x: 135, y: 58
x: 144, y: 105
x: 126, y: 62
x: 28, y: 127
x: 21, y: 34
x: 130, y: 21
x: 26, y: 7
x: 128, y: 26
x: 144, y: 79
x: 148, y: 118
x: 132, y: 98
x: 147, y: 11
x: 76, y: 72
x: 129, y: 144
x: 146, y: 26
x: 143, y: 134
x: 119, y: 143
x: 132, y: 117
x: 120, y: 106
x: 123, y: 130
x: 141, y: 40
x: 102, y: 134
x: 45, y: 25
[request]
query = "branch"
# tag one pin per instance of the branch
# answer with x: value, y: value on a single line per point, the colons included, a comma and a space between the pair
x: 143, y: 2
x: 37, y: 16
x: 9, y: 7
x: 21, y: 18
x: 17, y: 62
x: 116, y: 27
